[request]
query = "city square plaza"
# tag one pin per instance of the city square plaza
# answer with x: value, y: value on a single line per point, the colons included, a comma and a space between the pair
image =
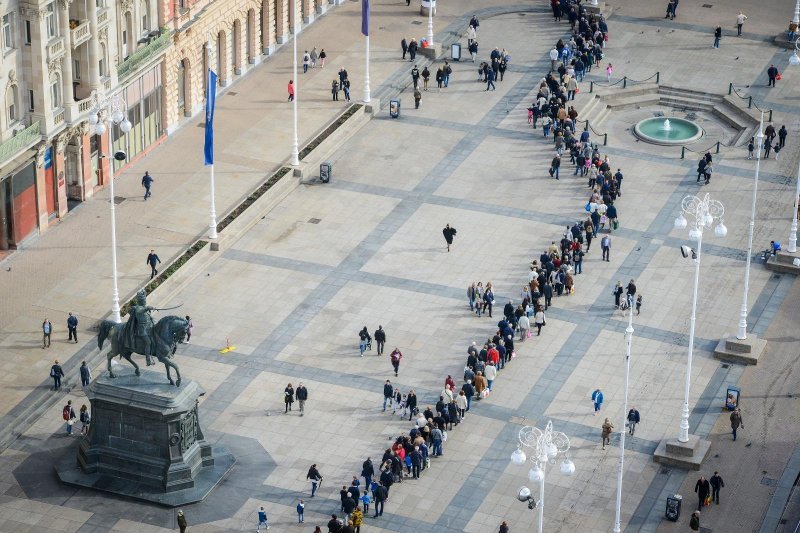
x: 292, y: 290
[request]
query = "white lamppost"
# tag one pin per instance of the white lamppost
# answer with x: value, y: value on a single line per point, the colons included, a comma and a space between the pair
x: 295, y: 143
x: 113, y: 110
x: 742, y: 333
x: 365, y: 22
x: 545, y: 447
x: 795, y: 59
x: 796, y: 18
x: 212, y: 226
x: 431, y: 6
x: 704, y: 211
x: 793, y: 232
x: 629, y: 341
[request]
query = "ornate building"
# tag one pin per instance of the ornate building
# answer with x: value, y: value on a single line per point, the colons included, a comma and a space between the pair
x: 57, y: 56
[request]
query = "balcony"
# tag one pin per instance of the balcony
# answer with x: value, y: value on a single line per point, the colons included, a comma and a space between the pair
x: 21, y: 141
x: 55, y: 48
x: 80, y: 34
x: 144, y: 54
x: 102, y: 17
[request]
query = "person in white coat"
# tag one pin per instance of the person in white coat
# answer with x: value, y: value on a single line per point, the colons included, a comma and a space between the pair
x: 539, y: 321
x: 524, y: 325
x: 490, y: 373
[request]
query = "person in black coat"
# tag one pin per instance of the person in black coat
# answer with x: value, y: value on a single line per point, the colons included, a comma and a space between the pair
x: 411, y: 403
x: 449, y: 233
x: 703, y: 490
x: 367, y: 471
x: 380, y: 339
x: 288, y: 397
x: 381, y: 493
x: 716, y: 484
x: 416, y: 462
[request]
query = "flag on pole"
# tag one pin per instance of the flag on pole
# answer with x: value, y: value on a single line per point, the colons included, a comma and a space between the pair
x: 211, y: 97
x: 365, y: 17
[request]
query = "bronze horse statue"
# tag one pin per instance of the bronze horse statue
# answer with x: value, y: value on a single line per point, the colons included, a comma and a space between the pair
x: 167, y: 333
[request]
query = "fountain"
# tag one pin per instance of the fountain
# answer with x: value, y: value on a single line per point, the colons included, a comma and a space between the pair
x: 665, y: 131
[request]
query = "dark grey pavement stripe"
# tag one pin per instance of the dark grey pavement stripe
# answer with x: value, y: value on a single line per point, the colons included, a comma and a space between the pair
x: 660, y: 22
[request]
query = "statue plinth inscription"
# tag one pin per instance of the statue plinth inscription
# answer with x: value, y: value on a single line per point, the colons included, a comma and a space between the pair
x: 145, y: 442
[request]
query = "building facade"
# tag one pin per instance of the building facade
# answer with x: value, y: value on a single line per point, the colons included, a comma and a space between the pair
x: 60, y: 56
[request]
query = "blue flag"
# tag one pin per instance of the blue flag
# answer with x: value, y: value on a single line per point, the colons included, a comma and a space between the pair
x: 365, y: 17
x: 211, y: 98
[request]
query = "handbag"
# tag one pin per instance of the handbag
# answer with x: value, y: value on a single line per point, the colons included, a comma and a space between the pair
x: 529, y: 336
x: 485, y: 393
x: 603, y: 219
x: 588, y: 206
x: 616, y: 224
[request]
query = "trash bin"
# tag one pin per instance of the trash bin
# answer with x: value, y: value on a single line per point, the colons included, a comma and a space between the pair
x: 673, y: 507
x: 325, y: 171
x: 394, y: 108
x: 732, y: 398
x: 455, y: 51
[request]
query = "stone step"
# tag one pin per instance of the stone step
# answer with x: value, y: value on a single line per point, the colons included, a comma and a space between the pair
x: 689, y: 93
x: 738, y: 106
x: 685, y: 103
x: 775, y: 265
x: 634, y: 101
x: 617, y: 93
x: 786, y: 258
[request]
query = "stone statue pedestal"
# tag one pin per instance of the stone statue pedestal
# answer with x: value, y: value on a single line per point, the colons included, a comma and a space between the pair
x: 145, y: 441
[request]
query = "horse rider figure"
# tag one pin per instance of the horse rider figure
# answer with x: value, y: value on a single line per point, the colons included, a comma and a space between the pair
x: 140, y: 326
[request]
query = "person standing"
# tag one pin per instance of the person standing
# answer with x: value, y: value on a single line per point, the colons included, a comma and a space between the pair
x: 153, y: 260
x: 618, y: 290
x: 380, y: 339
x: 322, y: 56
x: 404, y: 46
x: 447, y: 70
x: 415, y: 76
x: 597, y: 400
x: 288, y: 398
x: 395, y: 356
x: 314, y: 57
x: 639, y: 304
x: 290, y: 90
x: 381, y: 493
x: 367, y: 471
x: 411, y: 404
x: 68, y: 414
x: 631, y: 293
x: 605, y: 245
x: 388, y: 394
x: 633, y: 419
x: 412, y: 49
x: 56, y: 372
x: 717, y: 36
x: 72, y: 326
x: 417, y: 97
x: 426, y: 74
x: 47, y: 329
x: 782, y: 136
x: 736, y: 421
x: 315, y: 477
x: 609, y: 72
x: 449, y: 234
x: 262, y: 518
x: 694, y: 522
x: 504, y: 527
x: 346, y: 90
x: 716, y: 484
x: 539, y: 320
x: 147, y: 181
x: 86, y: 375
x: 301, y: 393
x: 740, y: 18
x: 607, y: 429
x: 182, y: 524
x: 555, y: 165
x: 772, y: 75
x: 703, y: 490
x: 85, y: 419
x: 301, y: 509
x: 357, y: 518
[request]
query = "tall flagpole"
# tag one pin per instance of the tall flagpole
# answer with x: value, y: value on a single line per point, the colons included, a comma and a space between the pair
x: 295, y: 143
x: 212, y: 226
x: 365, y: 26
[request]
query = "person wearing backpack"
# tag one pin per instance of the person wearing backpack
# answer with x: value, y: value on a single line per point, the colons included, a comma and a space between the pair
x: 68, y: 414
x: 85, y: 419
x: 56, y: 372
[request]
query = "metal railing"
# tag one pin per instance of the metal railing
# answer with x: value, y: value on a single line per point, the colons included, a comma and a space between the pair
x: 588, y: 127
x: 732, y: 90
x: 624, y: 81
x: 133, y: 61
x: 19, y: 142
x: 685, y: 149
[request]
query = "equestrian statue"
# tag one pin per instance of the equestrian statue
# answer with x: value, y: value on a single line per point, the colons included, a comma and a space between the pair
x: 140, y: 335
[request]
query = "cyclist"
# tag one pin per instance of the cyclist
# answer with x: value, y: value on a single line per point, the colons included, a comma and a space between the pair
x: 633, y: 419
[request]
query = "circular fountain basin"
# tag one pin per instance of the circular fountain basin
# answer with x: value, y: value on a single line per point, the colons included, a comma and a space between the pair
x: 670, y: 131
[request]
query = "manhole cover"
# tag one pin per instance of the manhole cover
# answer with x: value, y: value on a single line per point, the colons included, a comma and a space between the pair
x: 232, y: 93
x: 202, y: 125
x: 708, y: 5
x: 705, y: 529
x: 665, y: 470
x: 769, y: 482
x: 691, y: 116
x: 725, y: 365
x: 417, y: 22
x: 314, y: 220
x: 119, y: 199
x: 658, y: 113
x: 521, y: 14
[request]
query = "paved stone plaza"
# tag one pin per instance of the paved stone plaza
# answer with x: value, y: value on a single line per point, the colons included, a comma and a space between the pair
x: 292, y: 293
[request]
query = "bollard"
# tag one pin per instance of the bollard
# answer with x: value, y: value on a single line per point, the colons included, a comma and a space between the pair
x: 683, y: 152
x: 591, y: 86
x: 770, y: 115
x: 717, y: 147
x: 605, y: 139
x: 586, y: 127
x: 730, y: 89
x: 625, y: 82
x: 658, y: 78
x: 749, y: 102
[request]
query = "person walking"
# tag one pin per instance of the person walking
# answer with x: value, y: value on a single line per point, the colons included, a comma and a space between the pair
x: 56, y: 372
x: 606, y: 435
x: 631, y: 293
x: 772, y: 75
x: 426, y: 74
x: 335, y: 90
x: 633, y: 419
x: 315, y: 477
x: 381, y: 493
x: 404, y: 46
x: 412, y: 49
x: 47, y: 329
x: 395, y: 357
x: 290, y: 90
x: 736, y: 421
x: 68, y: 414
x: 694, y: 521
x: 716, y: 484
x: 449, y: 234
x: 639, y: 304
x: 740, y: 18
x: 605, y: 245
x: 782, y: 136
x: 555, y: 165
x: 72, y: 326
x: 618, y: 290
x: 301, y: 394
x: 417, y: 97
x: 380, y: 339
x: 306, y: 61
x: 182, y: 524
x: 539, y: 320
x: 322, y: 56
x: 189, y: 328
x: 717, y: 36
x: 597, y: 400
x: 504, y: 527
x: 388, y: 393
x: 314, y: 57
x: 367, y: 471
x: 288, y: 398
x: 447, y: 70
x: 262, y: 518
x: 85, y: 419
x: 703, y: 490
x: 490, y: 80
x: 364, y: 340
x: 153, y: 260
x: 346, y: 90
x: 356, y: 519
x: 86, y: 374
x: 147, y: 182
x: 609, y: 72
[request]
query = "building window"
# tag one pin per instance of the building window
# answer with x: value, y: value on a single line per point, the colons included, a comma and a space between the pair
x: 8, y: 31
x: 11, y: 104
x: 145, y: 19
x: 55, y: 92
x: 27, y: 32
x: 102, y: 62
x: 31, y: 102
x: 76, y: 69
x: 50, y: 20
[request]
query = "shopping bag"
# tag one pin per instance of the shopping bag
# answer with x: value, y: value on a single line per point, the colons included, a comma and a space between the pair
x: 778, y: 76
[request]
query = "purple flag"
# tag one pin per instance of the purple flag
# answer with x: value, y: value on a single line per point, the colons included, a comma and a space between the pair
x: 365, y: 17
